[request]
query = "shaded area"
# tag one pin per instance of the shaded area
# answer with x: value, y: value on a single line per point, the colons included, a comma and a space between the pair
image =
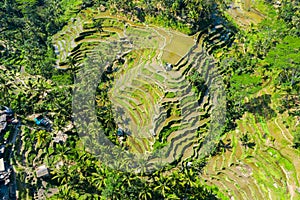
x: 260, y: 106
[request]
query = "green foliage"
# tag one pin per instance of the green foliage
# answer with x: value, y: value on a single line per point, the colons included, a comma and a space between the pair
x: 296, y: 140
x: 285, y: 59
x: 6, y: 135
x: 163, y: 135
x: 261, y: 54
x: 104, y: 107
x: 26, y: 32
x: 62, y: 79
x: 164, y: 21
x: 26, y: 46
x: 186, y: 16
x: 244, y: 85
x: 289, y: 12
x: 170, y: 95
x: 246, y: 140
x: 240, y: 87
x: 113, y: 184
x: 197, y: 80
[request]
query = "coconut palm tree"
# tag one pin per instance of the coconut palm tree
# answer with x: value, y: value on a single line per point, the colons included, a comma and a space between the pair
x: 162, y: 184
x: 62, y: 175
x: 97, y: 179
x: 145, y: 193
x: 43, y: 138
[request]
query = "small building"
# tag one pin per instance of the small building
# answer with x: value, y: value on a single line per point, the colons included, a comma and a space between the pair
x: 56, y: 51
x: 59, y: 164
x: 153, y: 133
x: 42, y: 171
x: 168, y: 67
x: 6, y: 117
x: 2, y: 165
x: 120, y: 132
x: 3, y: 123
x: 43, y: 122
x: 2, y: 150
x: 60, y: 137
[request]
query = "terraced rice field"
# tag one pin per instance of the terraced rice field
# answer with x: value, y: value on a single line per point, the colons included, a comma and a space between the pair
x: 244, y: 13
x: 269, y: 170
x: 157, y: 105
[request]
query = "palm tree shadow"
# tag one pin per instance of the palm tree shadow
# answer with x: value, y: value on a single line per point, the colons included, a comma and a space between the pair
x: 222, y: 147
x: 120, y: 113
x: 251, y: 145
x: 227, y: 146
x: 126, y: 121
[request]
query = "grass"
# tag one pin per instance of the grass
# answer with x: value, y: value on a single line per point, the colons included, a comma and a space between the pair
x: 134, y: 146
x: 159, y: 77
x: 180, y: 143
x: 142, y: 98
x: 231, y: 186
x: 170, y: 95
x: 153, y: 90
x: 133, y: 117
x: 234, y: 148
x: 187, y: 99
x: 146, y: 71
x: 264, y: 126
x: 219, y: 194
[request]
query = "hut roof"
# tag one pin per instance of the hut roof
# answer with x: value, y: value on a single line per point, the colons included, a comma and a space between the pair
x: 3, y: 122
x: 2, y: 165
x: 42, y: 171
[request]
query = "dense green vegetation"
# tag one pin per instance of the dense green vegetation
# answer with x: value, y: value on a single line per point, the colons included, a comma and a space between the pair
x: 268, y: 53
x: 261, y: 71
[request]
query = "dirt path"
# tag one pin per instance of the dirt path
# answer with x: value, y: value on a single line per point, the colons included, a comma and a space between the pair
x: 291, y: 187
x: 159, y: 56
x: 282, y: 132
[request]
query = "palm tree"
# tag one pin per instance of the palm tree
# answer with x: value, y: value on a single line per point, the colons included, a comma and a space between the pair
x: 189, y: 176
x: 162, y: 183
x: 97, y: 179
x: 145, y: 193
x: 43, y: 138
x: 62, y: 175
x: 65, y: 191
x: 222, y: 146
x: 62, y: 151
